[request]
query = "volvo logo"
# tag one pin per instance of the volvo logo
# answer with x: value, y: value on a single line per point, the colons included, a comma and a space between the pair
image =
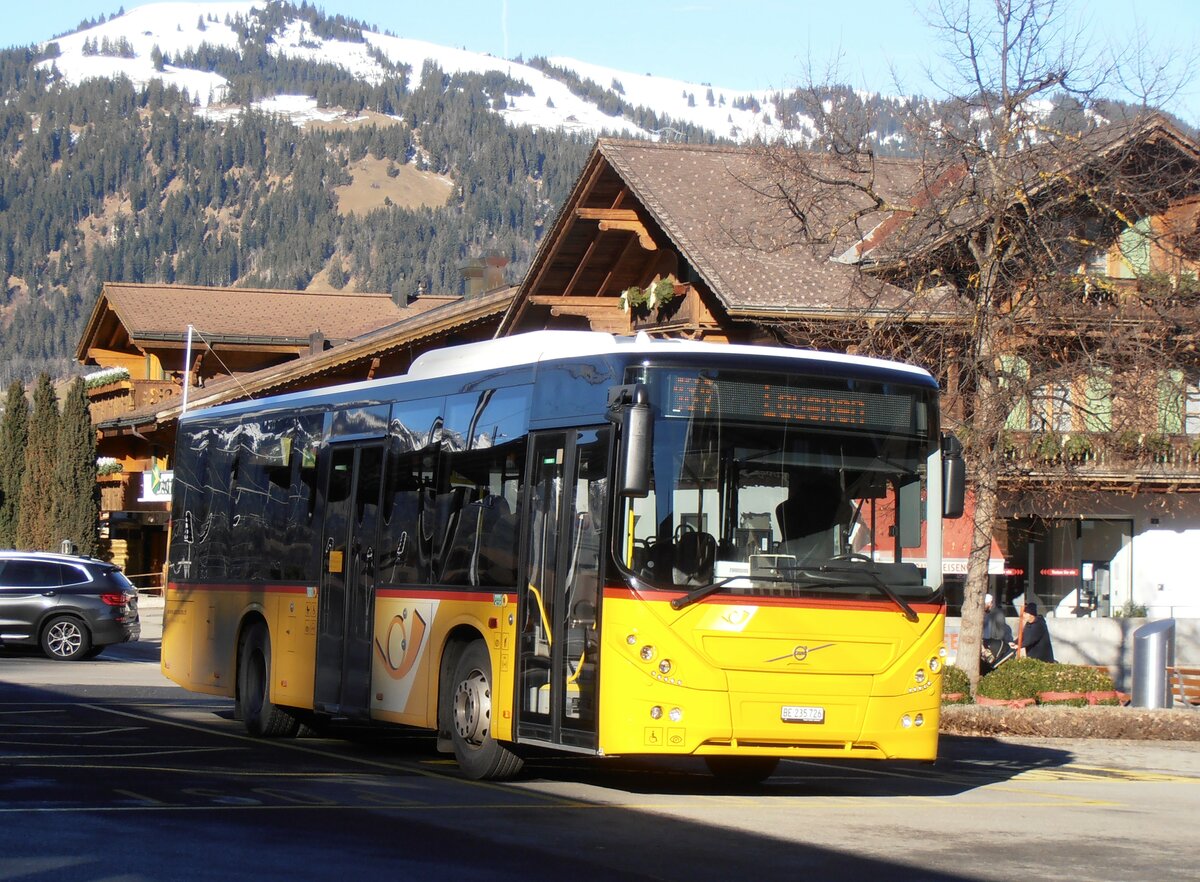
x: 800, y: 652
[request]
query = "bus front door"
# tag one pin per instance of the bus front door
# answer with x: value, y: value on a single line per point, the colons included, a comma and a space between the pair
x: 346, y: 603
x: 560, y: 605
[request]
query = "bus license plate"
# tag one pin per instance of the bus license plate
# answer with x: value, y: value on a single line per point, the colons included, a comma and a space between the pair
x: 794, y: 713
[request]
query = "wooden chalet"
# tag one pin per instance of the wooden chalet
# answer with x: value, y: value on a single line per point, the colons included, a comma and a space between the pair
x: 702, y: 228
x: 696, y: 218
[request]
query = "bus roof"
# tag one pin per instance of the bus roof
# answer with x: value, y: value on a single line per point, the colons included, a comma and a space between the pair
x: 536, y: 346
x: 546, y: 346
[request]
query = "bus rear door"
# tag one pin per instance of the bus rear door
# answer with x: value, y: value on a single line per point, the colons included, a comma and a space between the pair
x: 352, y: 485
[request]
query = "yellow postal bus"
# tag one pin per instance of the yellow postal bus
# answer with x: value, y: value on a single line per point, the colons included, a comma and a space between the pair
x: 605, y: 545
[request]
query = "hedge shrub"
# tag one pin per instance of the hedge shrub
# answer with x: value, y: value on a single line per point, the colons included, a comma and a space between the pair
x: 1026, y: 677
x: 954, y: 681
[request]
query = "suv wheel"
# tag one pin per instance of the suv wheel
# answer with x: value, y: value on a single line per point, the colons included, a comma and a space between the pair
x: 66, y: 638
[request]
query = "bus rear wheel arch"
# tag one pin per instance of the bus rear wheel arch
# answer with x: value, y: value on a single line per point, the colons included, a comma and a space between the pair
x: 468, y: 714
x: 261, y: 716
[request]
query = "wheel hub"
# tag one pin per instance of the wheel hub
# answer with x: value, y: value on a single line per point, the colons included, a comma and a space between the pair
x: 473, y: 708
x: 64, y: 638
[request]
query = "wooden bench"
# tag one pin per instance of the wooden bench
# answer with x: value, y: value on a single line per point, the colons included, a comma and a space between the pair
x: 1185, y: 686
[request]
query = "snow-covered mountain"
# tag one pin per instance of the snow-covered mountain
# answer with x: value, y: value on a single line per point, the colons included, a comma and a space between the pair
x: 135, y: 43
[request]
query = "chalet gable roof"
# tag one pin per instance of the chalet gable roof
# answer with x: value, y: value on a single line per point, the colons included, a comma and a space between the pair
x: 352, y: 359
x: 712, y: 206
x: 1139, y: 167
x: 148, y: 315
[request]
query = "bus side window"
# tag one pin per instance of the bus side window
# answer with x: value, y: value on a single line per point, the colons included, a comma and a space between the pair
x: 250, y: 486
x: 402, y: 558
x: 499, y: 543
x: 214, y: 562
x: 190, y: 506
x: 299, y: 559
x: 483, y: 459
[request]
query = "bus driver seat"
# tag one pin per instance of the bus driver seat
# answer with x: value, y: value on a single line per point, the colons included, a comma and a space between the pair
x: 695, y: 553
x: 809, y: 517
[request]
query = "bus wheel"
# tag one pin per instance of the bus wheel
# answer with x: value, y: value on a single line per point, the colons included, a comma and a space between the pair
x: 262, y: 718
x: 742, y: 769
x: 479, y: 755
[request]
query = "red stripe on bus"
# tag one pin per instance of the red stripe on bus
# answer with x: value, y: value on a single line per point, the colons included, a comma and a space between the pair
x: 421, y: 593
x: 444, y: 593
x: 260, y: 587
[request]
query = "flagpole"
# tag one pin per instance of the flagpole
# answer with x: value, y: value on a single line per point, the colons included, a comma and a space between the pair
x: 187, y: 370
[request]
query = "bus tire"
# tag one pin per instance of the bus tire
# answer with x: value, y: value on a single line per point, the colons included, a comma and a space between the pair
x: 262, y: 718
x: 742, y: 769
x: 479, y: 755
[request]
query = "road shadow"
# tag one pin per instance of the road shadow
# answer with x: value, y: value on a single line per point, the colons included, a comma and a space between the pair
x: 963, y: 764
x: 204, y: 805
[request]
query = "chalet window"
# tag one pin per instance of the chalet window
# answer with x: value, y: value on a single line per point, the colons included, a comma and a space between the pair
x: 1050, y: 409
x: 1014, y: 374
x: 1097, y: 404
x: 1171, y: 403
x: 1191, y: 410
x: 1134, y: 246
x: 1095, y: 262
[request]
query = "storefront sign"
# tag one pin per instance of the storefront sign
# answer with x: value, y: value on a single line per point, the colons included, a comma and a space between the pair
x: 1059, y: 571
x: 156, y: 486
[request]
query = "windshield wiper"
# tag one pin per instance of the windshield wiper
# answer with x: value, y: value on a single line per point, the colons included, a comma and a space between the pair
x: 702, y: 592
x: 875, y: 582
x: 697, y: 594
x: 884, y: 588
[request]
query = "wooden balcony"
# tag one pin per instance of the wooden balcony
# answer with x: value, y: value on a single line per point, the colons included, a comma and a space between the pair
x: 685, y: 313
x: 1117, y: 458
x: 117, y: 399
x: 120, y: 491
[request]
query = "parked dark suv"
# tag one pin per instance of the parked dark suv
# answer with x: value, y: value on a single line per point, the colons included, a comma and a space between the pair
x: 71, y: 606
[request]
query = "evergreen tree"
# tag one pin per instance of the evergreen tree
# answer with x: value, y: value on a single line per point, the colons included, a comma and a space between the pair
x: 35, y: 527
x: 14, y: 435
x: 75, y: 496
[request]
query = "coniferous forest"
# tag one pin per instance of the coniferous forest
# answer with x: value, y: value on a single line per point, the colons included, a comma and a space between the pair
x: 185, y: 199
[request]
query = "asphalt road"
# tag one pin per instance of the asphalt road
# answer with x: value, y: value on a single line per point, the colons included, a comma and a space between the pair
x: 108, y: 771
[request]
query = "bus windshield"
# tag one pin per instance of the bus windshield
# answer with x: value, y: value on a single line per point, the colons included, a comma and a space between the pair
x: 769, y: 485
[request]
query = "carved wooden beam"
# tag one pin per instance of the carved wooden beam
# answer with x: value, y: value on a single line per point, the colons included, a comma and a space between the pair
x: 619, y: 219
x: 602, y: 313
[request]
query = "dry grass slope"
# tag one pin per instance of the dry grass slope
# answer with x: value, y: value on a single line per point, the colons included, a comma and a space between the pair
x: 373, y: 187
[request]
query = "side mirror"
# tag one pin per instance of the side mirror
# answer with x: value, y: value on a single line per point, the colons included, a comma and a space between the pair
x: 954, y: 478
x: 636, y: 442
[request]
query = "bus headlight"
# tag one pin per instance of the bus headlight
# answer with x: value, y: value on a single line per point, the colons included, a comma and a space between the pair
x: 647, y: 652
x: 664, y: 666
x: 934, y: 665
x: 675, y: 715
x: 920, y: 675
x: 656, y: 713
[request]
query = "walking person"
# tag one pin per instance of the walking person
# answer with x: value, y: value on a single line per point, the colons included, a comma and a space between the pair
x: 1035, y: 635
x: 997, y: 636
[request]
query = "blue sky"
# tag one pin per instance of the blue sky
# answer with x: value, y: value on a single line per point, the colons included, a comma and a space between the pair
x: 739, y: 44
